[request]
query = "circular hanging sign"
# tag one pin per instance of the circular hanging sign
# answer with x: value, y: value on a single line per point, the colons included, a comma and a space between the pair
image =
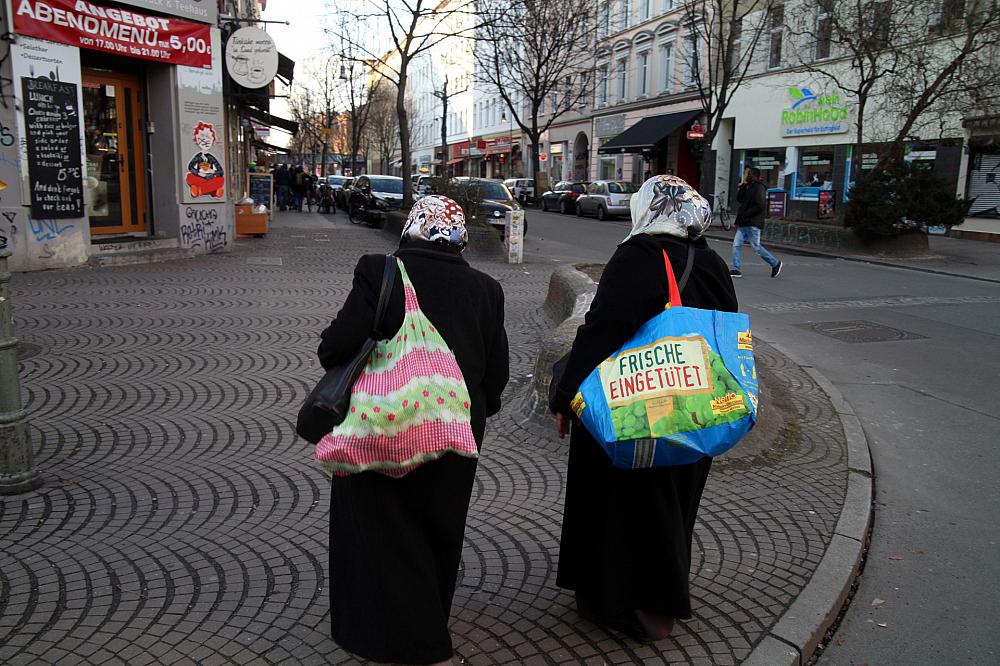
x: 251, y: 57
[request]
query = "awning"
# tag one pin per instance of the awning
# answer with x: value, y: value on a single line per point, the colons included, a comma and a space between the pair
x: 263, y: 145
x: 269, y: 120
x: 648, y: 132
x: 457, y: 160
x: 286, y: 68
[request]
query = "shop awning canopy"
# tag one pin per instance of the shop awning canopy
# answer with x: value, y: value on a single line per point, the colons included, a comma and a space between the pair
x: 286, y: 68
x: 457, y: 160
x: 648, y: 132
x: 271, y: 121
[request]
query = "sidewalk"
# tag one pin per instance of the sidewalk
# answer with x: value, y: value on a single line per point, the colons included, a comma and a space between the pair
x: 958, y: 257
x: 182, y: 521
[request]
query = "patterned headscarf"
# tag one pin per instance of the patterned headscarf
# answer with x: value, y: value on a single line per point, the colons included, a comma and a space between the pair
x: 436, y: 218
x: 668, y: 205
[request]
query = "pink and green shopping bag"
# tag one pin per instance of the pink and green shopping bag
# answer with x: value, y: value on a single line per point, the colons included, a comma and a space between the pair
x: 409, y: 405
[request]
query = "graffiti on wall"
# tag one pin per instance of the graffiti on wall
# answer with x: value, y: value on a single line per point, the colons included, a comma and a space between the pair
x: 203, y: 229
x: 8, y: 229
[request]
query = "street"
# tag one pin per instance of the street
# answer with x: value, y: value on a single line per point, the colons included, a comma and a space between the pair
x: 182, y: 522
x: 928, y: 396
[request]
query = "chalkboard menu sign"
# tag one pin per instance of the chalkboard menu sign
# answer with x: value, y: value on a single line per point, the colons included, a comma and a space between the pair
x: 260, y: 188
x: 55, y: 167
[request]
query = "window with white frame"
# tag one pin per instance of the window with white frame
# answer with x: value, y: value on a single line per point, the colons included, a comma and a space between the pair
x: 602, y: 84
x: 776, y: 32
x: 735, y: 52
x: 646, y: 8
x: 642, y: 73
x: 604, y: 19
x: 667, y: 5
x: 622, y: 75
x: 692, y: 58
x: 624, y: 14
x: 667, y: 66
x: 824, y: 28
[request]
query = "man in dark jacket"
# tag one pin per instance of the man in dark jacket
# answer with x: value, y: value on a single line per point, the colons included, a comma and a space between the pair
x: 752, y: 199
x: 282, y: 182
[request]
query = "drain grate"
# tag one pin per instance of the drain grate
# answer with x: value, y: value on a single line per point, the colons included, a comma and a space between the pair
x: 859, y: 331
x: 264, y: 261
x: 26, y: 350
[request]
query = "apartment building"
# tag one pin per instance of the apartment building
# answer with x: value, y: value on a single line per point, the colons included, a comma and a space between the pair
x: 795, y: 125
x: 645, y: 98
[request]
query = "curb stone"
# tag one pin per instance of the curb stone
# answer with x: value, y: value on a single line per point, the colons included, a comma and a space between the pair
x: 794, y: 637
x: 809, y: 617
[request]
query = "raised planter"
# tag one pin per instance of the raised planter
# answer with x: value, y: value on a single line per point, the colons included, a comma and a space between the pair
x: 483, y: 240
x: 829, y: 237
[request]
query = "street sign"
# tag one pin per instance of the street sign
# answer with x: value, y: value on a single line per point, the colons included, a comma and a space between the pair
x: 543, y: 157
x: 696, y: 132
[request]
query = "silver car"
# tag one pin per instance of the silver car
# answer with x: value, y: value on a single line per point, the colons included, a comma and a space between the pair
x: 606, y: 198
x: 523, y: 189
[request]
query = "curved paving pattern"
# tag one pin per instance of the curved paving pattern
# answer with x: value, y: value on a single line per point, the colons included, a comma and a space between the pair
x: 183, y: 523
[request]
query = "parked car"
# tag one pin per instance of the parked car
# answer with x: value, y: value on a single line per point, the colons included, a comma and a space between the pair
x: 341, y: 195
x: 564, y: 195
x: 371, y: 197
x: 422, y: 184
x: 523, y: 189
x: 605, y: 198
x: 495, y: 201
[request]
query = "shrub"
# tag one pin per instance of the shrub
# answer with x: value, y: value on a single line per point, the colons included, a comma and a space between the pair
x: 902, y: 198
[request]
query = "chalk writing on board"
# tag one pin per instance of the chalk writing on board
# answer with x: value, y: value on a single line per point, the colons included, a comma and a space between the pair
x: 55, y: 166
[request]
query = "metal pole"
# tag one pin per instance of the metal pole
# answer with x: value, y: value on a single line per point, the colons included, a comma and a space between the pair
x: 17, y: 470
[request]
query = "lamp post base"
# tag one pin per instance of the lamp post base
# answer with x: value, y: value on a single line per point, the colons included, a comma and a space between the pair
x: 22, y: 482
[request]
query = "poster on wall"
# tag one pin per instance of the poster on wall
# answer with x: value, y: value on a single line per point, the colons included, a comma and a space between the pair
x: 776, y: 203
x: 35, y: 59
x: 55, y: 163
x: 826, y: 204
x: 89, y: 25
x: 201, y: 130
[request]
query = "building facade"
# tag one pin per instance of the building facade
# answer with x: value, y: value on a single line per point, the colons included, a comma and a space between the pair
x: 114, y: 131
x: 645, y: 98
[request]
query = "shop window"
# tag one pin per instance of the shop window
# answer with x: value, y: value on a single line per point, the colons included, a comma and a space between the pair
x: 606, y: 165
x: 814, y: 173
x: 770, y: 162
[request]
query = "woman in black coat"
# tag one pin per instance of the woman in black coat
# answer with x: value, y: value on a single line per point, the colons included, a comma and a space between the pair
x: 396, y: 543
x: 626, y: 538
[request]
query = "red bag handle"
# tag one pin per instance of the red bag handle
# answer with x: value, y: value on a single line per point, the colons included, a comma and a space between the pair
x: 673, y: 292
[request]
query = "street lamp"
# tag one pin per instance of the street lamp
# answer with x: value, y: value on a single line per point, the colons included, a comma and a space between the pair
x: 510, y: 141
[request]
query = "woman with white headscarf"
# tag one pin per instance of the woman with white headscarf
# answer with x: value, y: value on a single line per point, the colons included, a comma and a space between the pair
x: 396, y: 543
x: 626, y: 539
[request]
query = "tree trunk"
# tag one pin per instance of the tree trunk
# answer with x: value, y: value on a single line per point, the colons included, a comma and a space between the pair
x: 404, y: 136
x: 535, y: 138
x: 444, y: 129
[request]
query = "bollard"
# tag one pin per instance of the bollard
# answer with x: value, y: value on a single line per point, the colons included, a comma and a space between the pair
x: 17, y: 471
x: 513, y: 236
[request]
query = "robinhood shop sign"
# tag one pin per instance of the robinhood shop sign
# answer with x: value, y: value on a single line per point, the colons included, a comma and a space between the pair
x: 811, y: 114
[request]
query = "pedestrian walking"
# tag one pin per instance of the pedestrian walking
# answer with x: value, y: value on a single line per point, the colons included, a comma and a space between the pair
x: 626, y: 537
x: 752, y: 199
x: 396, y: 543
x: 298, y: 187
x: 282, y: 183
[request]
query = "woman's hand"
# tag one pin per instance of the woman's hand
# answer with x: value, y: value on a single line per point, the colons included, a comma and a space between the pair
x: 562, y: 425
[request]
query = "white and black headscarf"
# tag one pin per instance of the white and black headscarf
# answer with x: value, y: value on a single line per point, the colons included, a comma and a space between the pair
x: 437, y: 218
x: 668, y: 205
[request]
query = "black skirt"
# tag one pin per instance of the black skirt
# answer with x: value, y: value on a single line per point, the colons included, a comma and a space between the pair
x: 626, y: 538
x: 395, y: 547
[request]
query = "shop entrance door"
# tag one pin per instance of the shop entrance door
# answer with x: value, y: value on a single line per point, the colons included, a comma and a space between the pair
x: 115, y: 166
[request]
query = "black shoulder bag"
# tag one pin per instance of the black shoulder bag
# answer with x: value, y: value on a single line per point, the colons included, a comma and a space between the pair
x: 327, y: 404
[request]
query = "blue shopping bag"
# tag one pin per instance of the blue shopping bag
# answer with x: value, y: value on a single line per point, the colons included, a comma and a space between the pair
x: 683, y: 387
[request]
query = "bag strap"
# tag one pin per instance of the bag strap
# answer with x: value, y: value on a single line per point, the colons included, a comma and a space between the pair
x: 673, y: 287
x: 388, y: 279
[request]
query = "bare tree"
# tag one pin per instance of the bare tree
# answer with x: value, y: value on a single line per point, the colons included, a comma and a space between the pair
x: 412, y: 27
x: 383, y: 125
x: 538, y: 57
x: 908, y: 64
x: 721, y: 37
x: 444, y: 95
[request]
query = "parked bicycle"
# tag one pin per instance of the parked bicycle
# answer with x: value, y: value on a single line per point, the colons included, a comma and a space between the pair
x: 721, y: 212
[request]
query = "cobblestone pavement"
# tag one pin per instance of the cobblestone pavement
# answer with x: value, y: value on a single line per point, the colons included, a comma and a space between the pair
x: 182, y: 521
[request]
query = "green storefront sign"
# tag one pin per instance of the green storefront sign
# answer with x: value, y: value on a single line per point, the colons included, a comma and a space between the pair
x: 812, y: 114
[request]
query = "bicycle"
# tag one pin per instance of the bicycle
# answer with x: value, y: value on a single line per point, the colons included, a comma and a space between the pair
x: 721, y: 210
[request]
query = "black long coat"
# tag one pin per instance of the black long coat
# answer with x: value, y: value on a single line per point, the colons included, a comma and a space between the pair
x: 626, y: 539
x: 395, y: 544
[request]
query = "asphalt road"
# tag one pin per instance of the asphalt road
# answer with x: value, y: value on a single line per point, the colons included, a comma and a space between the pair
x: 915, y: 354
